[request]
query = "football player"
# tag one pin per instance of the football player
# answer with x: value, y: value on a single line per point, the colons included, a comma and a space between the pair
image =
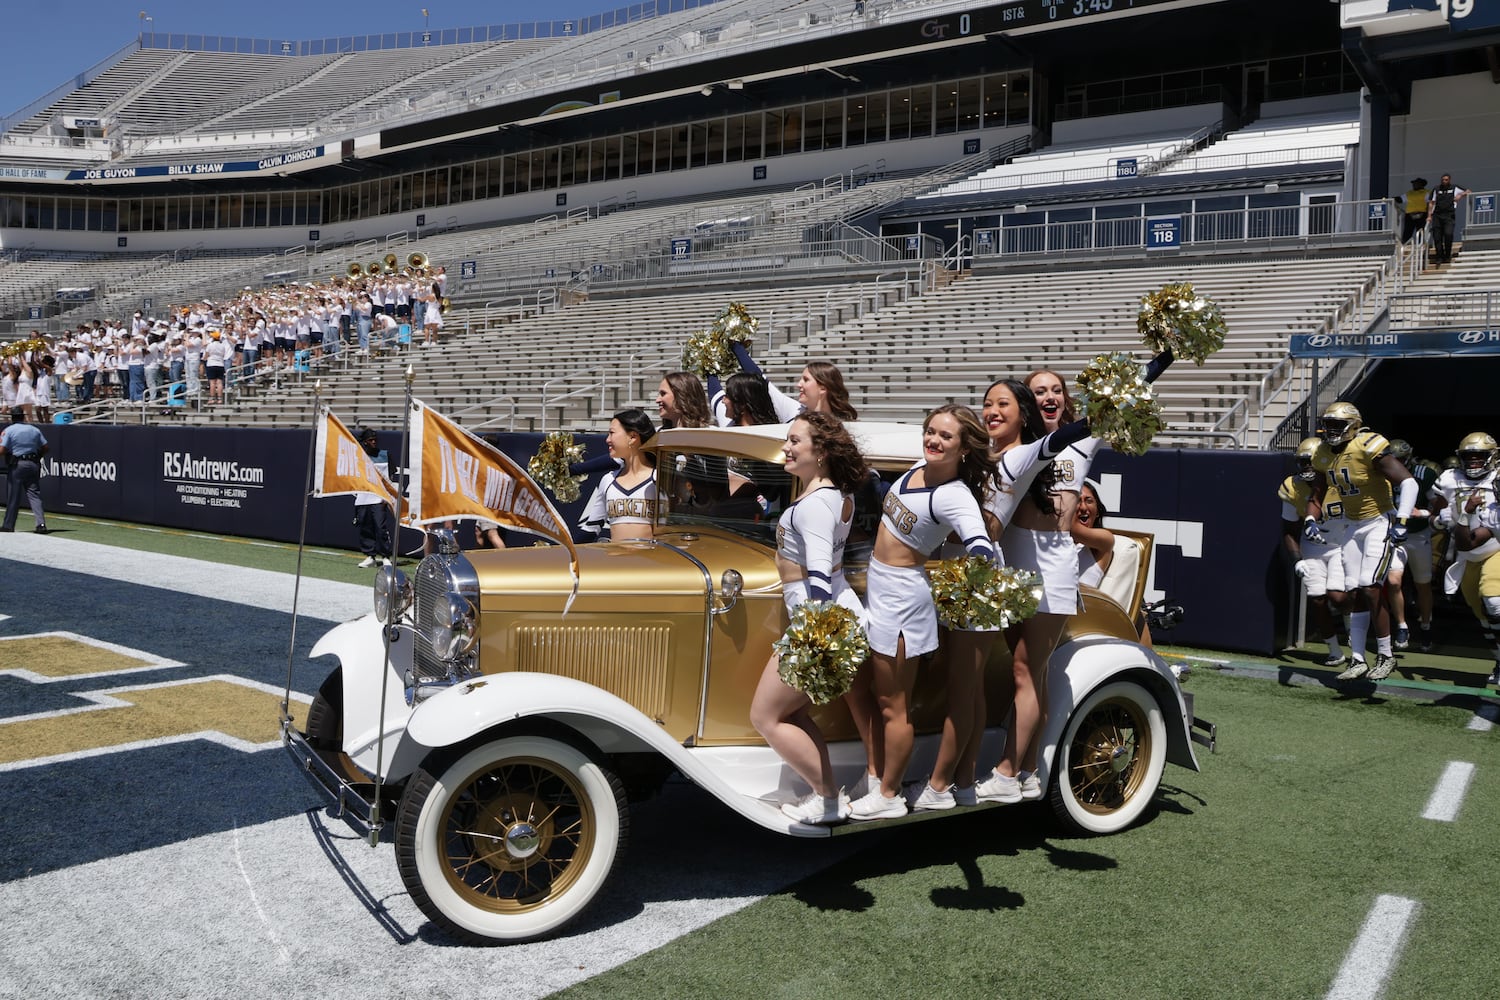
x: 1312, y: 532
x: 1461, y: 494
x: 1364, y: 472
x: 1414, y: 554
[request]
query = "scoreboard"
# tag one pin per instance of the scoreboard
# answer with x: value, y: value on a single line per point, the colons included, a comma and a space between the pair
x: 1020, y: 15
x: 1382, y: 17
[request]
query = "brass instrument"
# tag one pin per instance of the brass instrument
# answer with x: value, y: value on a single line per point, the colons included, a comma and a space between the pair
x: 355, y: 270
x: 375, y: 268
x: 417, y: 259
x: 445, y: 304
x: 391, y: 260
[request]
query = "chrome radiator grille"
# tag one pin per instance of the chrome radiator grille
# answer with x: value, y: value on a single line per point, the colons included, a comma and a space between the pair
x: 430, y: 604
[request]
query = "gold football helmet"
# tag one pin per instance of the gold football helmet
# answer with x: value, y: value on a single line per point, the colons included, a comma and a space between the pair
x: 1313, y: 456
x: 1402, y: 450
x: 1340, y: 422
x: 1477, y: 455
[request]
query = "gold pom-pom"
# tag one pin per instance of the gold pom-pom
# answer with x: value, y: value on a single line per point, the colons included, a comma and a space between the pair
x: 972, y: 592
x: 736, y: 323
x: 1119, y: 403
x: 549, y: 466
x: 708, y: 353
x: 821, y: 651
x: 1179, y: 318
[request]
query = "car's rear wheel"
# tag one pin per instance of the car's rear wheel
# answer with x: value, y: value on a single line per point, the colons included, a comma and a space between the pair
x: 510, y: 841
x: 1109, y: 763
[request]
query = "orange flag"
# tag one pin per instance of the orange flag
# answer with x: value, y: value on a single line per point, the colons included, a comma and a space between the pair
x: 341, y: 466
x: 455, y: 475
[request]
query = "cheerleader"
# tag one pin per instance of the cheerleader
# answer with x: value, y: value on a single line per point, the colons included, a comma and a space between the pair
x: 44, y: 390
x: 626, y: 500
x: 1023, y: 453
x: 810, y: 539
x: 432, y: 319
x: 1039, y: 538
x: 682, y: 402
x: 938, y: 495
x: 820, y: 389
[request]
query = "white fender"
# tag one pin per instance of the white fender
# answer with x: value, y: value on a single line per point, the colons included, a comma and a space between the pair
x: 1079, y: 666
x: 361, y: 651
x: 614, y: 726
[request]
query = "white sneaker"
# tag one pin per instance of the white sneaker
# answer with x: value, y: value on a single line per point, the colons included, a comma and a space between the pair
x: 877, y: 806
x: 815, y: 810
x: 1031, y: 788
x: 998, y: 788
x: 865, y: 784
x: 367, y: 562
x: 929, y: 798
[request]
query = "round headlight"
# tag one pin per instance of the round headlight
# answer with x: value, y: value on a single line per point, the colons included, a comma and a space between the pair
x: 392, y: 594
x: 454, y: 633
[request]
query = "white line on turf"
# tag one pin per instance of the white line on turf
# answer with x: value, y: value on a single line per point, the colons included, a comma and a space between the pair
x: 1484, y: 718
x: 1373, y: 954
x: 255, y: 900
x: 1448, y: 796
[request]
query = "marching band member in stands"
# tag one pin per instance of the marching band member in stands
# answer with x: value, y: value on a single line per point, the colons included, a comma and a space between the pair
x: 1312, y: 532
x: 1364, y: 472
x: 810, y: 539
x: 625, y: 501
x: 938, y: 495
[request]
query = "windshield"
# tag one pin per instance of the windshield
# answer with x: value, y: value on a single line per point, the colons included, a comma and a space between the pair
x: 747, y: 495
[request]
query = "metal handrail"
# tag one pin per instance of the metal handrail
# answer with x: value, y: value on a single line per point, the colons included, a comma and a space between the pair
x: 575, y: 394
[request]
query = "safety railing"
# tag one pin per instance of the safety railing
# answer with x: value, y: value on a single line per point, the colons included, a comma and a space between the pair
x: 1340, y: 223
x: 1466, y: 310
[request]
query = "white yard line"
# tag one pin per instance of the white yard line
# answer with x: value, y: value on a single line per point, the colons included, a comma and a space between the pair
x: 1484, y: 718
x: 1373, y: 955
x: 1448, y: 796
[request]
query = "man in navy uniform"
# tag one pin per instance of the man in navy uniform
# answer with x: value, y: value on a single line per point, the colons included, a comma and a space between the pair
x: 22, y: 447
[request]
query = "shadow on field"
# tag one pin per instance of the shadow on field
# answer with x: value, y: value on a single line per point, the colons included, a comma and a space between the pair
x: 333, y: 841
x: 963, y: 843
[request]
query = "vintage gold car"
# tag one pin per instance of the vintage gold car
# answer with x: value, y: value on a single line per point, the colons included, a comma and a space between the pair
x: 504, y: 739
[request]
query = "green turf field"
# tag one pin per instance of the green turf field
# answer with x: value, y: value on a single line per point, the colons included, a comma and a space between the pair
x: 1252, y: 879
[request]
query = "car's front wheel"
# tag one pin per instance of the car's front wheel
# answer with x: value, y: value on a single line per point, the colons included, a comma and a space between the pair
x: 510, y: 841
x: 1109, y: 763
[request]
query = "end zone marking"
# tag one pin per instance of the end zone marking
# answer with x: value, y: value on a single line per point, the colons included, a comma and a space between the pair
x: 61, y: 670
x: 1448, y: 796
x: 1372, y: 956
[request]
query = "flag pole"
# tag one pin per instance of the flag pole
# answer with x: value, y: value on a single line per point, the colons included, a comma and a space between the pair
x: 385, y: 629
x: 312, y: 448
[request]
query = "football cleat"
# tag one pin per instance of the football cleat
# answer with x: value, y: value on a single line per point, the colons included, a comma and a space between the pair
x: 1356, y: 670
x: 1339, y: 423
x: 1478, y: 455
x: 1384, y: 664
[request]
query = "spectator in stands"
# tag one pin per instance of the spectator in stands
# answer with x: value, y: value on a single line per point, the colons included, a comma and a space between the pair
x: 432, y: 319
x: 43, y: 388
x: 682, y: 402
x: 193, y: 344
x: 215, y: 360
x: 1414, y: 206
x: 363, y: 314
x: 1442, y: 212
